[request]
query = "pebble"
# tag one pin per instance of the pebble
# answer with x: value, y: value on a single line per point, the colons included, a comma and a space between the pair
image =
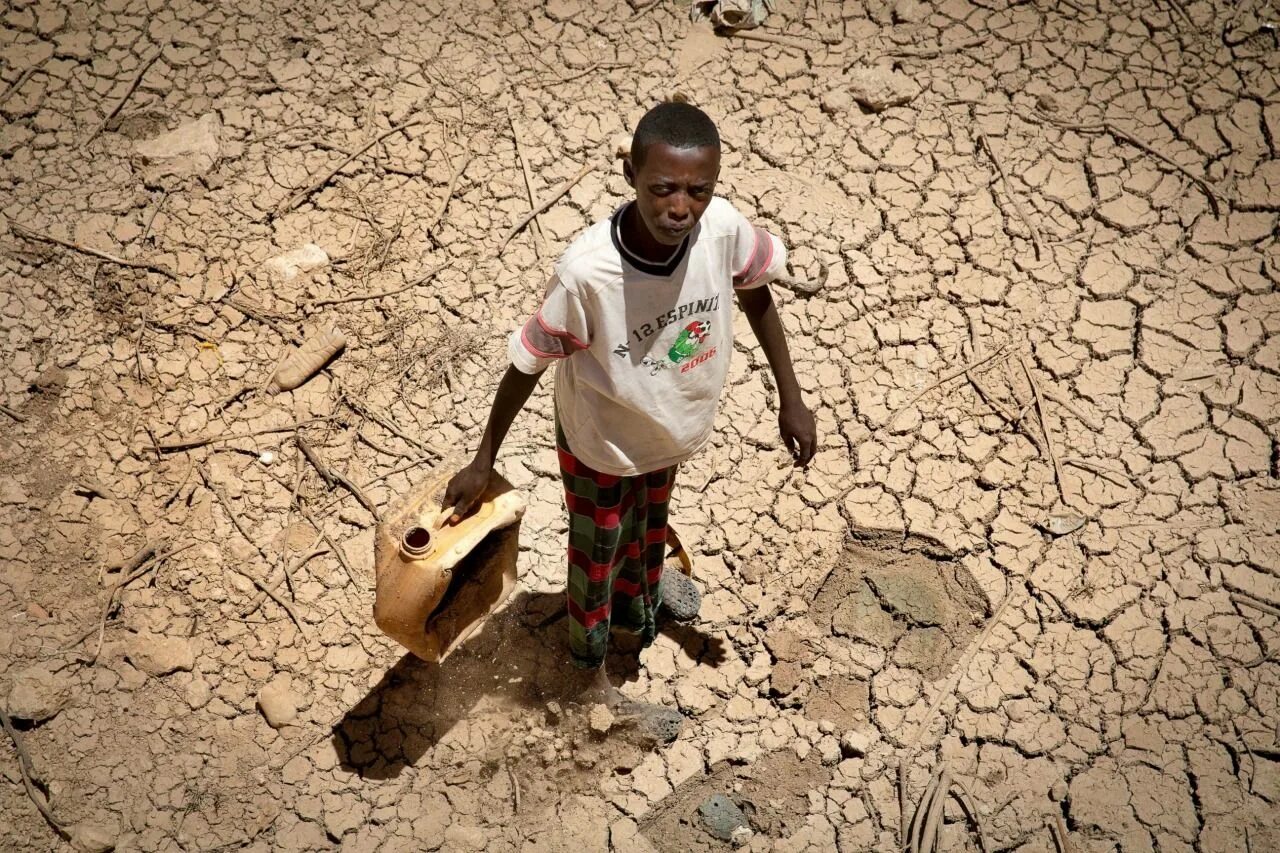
x: 38, y: 694
x: 721, y: 817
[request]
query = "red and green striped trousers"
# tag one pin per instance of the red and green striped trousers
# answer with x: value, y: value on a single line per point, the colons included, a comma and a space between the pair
x: 617, y: 543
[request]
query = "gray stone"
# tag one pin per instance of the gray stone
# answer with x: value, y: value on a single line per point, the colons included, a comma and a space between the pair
x: 721, y: 817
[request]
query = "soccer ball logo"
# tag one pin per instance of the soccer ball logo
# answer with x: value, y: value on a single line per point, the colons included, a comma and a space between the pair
x: 691, y: 339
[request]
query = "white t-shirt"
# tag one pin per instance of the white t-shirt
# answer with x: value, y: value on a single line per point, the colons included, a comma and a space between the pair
x: 644, y: 348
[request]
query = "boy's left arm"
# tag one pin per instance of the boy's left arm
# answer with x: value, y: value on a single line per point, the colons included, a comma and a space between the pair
x: 799, y: 431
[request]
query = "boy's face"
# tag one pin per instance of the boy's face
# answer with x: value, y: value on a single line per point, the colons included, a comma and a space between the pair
x: 673, y: 188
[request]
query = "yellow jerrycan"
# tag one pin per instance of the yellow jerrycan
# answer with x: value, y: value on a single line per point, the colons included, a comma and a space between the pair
x: 436, y: 585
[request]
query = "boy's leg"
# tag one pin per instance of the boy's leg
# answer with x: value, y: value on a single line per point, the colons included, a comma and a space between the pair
x: 595, y: 530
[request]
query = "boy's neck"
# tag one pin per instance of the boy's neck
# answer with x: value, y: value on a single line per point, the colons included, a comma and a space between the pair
x: 636, y: 237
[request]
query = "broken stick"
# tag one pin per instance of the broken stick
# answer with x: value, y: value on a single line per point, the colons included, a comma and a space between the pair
x: 133, y: 87
x: 1211, y: 192
x: 528, y: 181
x: 11, y: 413
x: 27, y: 233
x: 189, y: 443
x: 934, y: 52
x: 22, y: 78
x: 34, y: 787
x: 944, y: 379
x: 342, y: 300
x: 303, y: 194
x: 555, y: 196
x: 330, y: 477
x: 1044, y: 427
x: 770, y: 38
x: 1036, y: 240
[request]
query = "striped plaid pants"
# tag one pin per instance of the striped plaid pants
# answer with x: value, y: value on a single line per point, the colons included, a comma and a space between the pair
x: 617, y: 543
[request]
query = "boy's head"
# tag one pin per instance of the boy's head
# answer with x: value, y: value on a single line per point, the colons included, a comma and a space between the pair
x: 674, y: 164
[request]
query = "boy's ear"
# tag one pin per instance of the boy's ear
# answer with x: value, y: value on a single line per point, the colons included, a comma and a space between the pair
x: 628, y: 170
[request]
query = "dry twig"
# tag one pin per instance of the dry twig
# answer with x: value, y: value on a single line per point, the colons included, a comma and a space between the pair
x: 934, y: 52
x: 528, y: 181
x: 35, y: 788
x: 454, y: 175
x: 555, y: 196
x: 342, y: 300
x: 944, y: 379
x: 22, y: 78
x: 1044, y: 427
x: 150, y: 557
x: 303, y: 194
x: 1036, y: 240
x: 1211, y: 192
x: 1058, y: 829
x: 1240, y: 597
x: 133, y: 87
x: 11, y: 413
x: 330, y: 476
x: 771, y: 38
x: 27, y: 233
x: 189, y: 443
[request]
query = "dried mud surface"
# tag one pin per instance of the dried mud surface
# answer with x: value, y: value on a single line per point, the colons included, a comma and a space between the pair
x: 1056, y: 573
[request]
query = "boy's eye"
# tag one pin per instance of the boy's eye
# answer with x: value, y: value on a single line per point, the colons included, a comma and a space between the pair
x: 660, y: 190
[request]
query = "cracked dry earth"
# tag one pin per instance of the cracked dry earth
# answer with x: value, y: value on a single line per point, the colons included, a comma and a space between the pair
x: 1056, y: 574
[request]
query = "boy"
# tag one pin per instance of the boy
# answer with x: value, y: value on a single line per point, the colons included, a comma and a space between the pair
x: 639, y: 320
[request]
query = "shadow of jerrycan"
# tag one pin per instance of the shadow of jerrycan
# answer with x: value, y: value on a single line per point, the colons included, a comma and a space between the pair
x: 436, y: 585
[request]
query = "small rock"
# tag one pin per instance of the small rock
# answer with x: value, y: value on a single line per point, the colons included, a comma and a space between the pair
x: 35, y: 611
x: 278, y: 703
x: 721, y: 817
x: 38, y: 694
x: 1058, y: 792
x: 289, y: 265
x: 554, y: 712
x: 1047, y: 103
x: 600, y: 719
x: 741, y: 836
x: 856, y: 743
x: 158, y: 655
x: 877, y: 88
x: 94, y: 836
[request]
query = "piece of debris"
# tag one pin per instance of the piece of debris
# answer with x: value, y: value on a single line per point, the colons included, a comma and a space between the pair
x: 600, y: 718
x: 731, y: 14
x: 191, y: 148
x: 1062, y: 523
x: 875, y: 88
x: 722, y: 819
x: 156, y: 654
x: 307, y: 360
x: 278, y: 703
x: 291, y: 264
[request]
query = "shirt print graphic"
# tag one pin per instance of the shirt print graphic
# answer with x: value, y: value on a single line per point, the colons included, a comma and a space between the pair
x: 688, y: 349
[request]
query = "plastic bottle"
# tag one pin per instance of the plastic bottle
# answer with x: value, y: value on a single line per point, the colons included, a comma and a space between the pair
x: 305, y: 361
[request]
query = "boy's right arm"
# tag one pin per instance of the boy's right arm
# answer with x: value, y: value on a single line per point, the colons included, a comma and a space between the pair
x: 466, y: 487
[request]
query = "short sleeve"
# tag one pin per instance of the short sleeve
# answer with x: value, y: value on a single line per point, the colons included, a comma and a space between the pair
x: 557, y: 330
x: 758, y: 256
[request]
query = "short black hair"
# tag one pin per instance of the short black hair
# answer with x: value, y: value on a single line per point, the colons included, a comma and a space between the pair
x: 673, y: 123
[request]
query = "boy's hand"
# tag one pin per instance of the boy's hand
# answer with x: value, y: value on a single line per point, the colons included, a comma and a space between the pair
x: 465, y: 489
x: 799, y: 432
